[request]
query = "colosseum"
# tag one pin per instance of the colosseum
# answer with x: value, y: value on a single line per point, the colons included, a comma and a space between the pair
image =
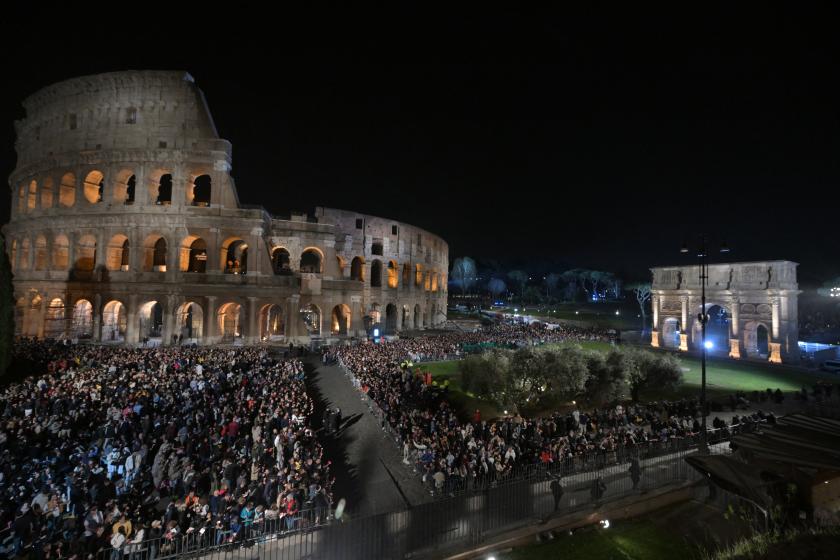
x: 126, y: 227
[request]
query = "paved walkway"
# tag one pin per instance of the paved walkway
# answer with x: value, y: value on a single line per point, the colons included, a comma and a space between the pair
x: 366, y: 463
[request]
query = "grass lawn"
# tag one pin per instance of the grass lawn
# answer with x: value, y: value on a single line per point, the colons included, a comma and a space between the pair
x: 601, y: 314
x: 624, y: 540
x: 465, y: 402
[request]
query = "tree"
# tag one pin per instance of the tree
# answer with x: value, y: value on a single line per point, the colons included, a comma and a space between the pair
x: 519, y: 278
x: 486, y: 375
x: 496, y: 286
x: 7, y: 313
x: 592, y: 279
x: 565, y: 372
x: 642, y: 293
x: 605, y: 380
x: 551, y: 282
x: 463, y: 273
x: 646, y: 369
x: 572, y: 279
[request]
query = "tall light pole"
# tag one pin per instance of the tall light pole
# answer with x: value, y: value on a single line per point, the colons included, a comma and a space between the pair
x: 703, y: 317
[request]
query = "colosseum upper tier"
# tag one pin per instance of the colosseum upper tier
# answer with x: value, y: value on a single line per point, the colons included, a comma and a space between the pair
x: 126, y: 227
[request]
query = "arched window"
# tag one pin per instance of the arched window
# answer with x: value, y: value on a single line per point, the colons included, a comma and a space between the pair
x: 32, y: 198
x: 201, y: 191
x: 194, y: 255
x: 154, y: 254
x: 310, y: 261
x: 357, y: 269
x: 228, y: 318
x: 21, y: 207
x: 311, y: 316
x: 151, y: 320
x: 85, y: 253
x: 190, y: 321
x: 406, y: 275
x: 418, y: 275
x: 82, y: 319
x: 113, y: 322
x: 25, y: 248
x: 434, y: 281
x: 54, y: 324
x: 13, y: 255
x: 41, y: 256
x: 164, y: 190
x: 124, y: 187
x: 376, y: 274
x: 117, y: 257
x: 60, y: 252
x: 280, y: 261
x: 130, y: 189
x: 272, y: 322
x: 234, y: 256
x: 390, y: 318
x: 393, y: 274
x: 67, y: 190
x: 47, y: 193
x: 94, y: 186
x: 340, y: 324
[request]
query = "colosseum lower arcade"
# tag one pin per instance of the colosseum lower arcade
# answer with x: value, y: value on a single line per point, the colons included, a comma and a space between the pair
x: 126, y: 227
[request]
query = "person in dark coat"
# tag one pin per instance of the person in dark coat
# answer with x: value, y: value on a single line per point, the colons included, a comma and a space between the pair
x: 635, y: 472
x: 557, y: 492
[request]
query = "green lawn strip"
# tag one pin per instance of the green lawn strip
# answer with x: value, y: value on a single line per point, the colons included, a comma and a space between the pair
x: 624, y: 540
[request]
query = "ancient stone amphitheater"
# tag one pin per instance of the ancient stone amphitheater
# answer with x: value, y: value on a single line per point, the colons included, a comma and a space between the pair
x: 126, y: 227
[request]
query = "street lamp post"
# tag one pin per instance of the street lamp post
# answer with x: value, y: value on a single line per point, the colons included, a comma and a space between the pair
x: 703, y: 317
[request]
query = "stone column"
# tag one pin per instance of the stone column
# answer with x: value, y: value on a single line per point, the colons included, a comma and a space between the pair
x: 654, y: 304
x: 168, y: 321
x: 735, y: 350
x: 137, y: 252
x: 210, y: 320
x: 293, y: 316
x: 357, y: 327
x: 683, y: 323
x: 132, y: 336
x: 97, y: 317
x: 101, y: 251
x: 213, y: 250
x: 776, y: 307
x: 253, y: 326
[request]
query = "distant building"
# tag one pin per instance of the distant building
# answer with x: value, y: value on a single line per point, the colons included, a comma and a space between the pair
x: 126, y: 225
x: 752, y: 309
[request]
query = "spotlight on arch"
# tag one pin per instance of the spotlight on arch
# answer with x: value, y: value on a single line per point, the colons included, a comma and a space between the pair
x: 709, y: 344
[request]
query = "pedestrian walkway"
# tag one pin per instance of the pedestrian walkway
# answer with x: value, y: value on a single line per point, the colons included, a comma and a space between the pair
x: 367, y: 465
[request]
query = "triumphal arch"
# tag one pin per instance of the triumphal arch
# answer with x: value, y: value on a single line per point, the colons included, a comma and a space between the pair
x: 752, y: 309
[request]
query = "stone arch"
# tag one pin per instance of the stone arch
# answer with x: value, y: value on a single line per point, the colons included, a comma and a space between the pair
x: 434, y: 281
x: 32, y: 196
x: 272, y: 322
x: 82, y: 320
x: 375, y: 313
x: 376, y: 273
x: 47, y: 192
x: 94, y: 186
x: 193, y: 254
x: 60, y: 252
x: 418, y: 275
x: 150, y: 320
x: 340, y: 324
x: 25, y: 251
x: 114, y: 321
x: 85, y: 253
x: 228, y: 320
x: 117, y: 256
x: 67, y: 190
x: 281, y: 261
x: 393, y: 274
x: 55, y: 323
x: 311, y: 316
x: 671, y: 332
x: 190, y: 317
x: 233, y: 256
x: 418, y: 316
x: 160, y: 187
x: 41, y: 254
x: 125, y: 187
x: 718, y: 327
x: 357, y: 269
x: 756, y: 337
x: 33, y: 313
x: 406, y: 275
x: 427, y: 282
x: 312, y: 260
x: 201, y: 191
x: 154, y: 253
x: 390, y: 318
x: 21, y: 207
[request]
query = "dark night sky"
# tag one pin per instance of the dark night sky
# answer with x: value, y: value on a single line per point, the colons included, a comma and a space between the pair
x: 588, y: 142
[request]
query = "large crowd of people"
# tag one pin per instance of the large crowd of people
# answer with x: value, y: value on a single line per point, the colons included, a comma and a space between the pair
x: 113, y: 447
x: 451, y: 453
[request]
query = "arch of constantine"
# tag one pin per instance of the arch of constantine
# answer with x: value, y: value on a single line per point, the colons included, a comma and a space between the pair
x: 752, y: 309
x: 126, y: 225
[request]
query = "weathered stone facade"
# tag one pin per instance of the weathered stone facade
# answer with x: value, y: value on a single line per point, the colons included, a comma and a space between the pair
x: 126, y: 225
x: 758, y: 299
